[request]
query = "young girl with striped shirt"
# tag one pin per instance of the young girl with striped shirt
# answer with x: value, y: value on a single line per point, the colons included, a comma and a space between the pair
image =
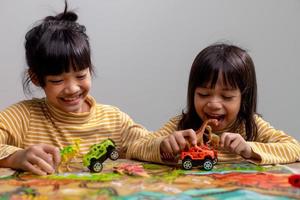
x: 222, y: 86
x: 33, y: 131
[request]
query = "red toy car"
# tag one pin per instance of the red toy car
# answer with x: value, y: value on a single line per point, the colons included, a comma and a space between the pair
x: 199, y: 156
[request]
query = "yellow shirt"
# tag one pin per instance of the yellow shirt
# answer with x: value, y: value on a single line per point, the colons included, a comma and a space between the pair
x: 273, y: 146
x: 36, y: 121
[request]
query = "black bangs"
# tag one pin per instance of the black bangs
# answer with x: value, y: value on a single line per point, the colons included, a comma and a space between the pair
x: 62, y: 51
x: 208, y: 75
x: 210, y: 71
x: 230, y: 76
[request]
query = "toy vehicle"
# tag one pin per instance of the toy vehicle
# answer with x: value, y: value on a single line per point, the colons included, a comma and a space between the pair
x: 98, y: 153
x: 199, y: 156
x: 294, y: 180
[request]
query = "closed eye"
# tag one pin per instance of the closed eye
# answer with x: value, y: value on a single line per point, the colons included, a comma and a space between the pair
x: 55, y: 81
x: 227, y: 97
x: 80, y: 77
x: 202, y: 94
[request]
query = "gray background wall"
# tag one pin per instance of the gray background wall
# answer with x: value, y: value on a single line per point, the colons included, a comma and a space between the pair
x: 143, y: 50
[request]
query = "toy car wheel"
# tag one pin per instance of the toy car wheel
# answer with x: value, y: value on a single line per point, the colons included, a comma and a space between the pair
x: 215, y: 161
x: 187, y: 164
x: 114, y: 154
x: 208, y: 164
x: 96, y: 166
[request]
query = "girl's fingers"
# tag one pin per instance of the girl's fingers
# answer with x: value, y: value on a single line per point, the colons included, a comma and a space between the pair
x: 174, y: 145
x: 222, y: 139
x: 190, y: 135
x: 240, y: 149
x: 177, y: 141
x: 227, y: 140
x: 38, y: 159
x: 54, y: 152
x: 34, y: 169
x: 42, y: 155
x: 180, y: 140
x: 165, y: 146
x: 44, y: 166
x: 56, y: 157
x: 235, y: 146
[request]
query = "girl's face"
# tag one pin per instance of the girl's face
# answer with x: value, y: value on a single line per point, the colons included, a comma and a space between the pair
x: 221, y: 103
x: 68, y: 91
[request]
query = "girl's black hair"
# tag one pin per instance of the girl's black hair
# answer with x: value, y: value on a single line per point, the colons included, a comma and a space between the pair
x: 237, y: 70
x: 56, y: 45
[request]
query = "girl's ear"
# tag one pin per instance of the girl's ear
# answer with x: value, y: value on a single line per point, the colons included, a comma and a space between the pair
x: 33, y: 78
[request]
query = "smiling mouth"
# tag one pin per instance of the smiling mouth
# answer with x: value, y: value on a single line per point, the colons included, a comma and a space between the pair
x: 71, y: 99
x: 217, y: 117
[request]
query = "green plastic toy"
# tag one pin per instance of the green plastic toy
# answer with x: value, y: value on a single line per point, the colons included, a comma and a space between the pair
x: 67, y: 154
x: 98, y: 153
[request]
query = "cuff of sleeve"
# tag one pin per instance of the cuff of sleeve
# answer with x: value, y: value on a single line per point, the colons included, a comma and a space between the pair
x: 6, y: 151
x: 147, y: 149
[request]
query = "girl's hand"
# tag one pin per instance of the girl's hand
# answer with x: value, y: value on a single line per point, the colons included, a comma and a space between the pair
x: 41, y: 159
x: 236, y: 144
x: 176, y: 142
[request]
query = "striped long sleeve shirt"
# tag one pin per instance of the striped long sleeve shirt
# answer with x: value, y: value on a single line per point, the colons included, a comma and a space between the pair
x: 36, y: 121
x: 273, y: 146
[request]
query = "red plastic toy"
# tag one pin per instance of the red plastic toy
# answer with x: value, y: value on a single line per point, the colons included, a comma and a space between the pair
x: 203, y: 154
x: 294, y: 180
x: 199, y: 156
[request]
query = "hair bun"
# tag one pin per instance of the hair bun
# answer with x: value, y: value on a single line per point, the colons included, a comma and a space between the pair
x: 65, y: 16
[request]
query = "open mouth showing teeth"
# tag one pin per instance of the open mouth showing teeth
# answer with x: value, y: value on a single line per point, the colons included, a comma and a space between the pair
x: 69, y: 99
x: 217, y: 117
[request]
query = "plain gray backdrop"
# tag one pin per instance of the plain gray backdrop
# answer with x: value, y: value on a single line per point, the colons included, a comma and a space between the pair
x: 143, y: 50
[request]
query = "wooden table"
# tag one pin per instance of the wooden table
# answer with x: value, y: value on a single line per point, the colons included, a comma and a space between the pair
x: 161, y: 182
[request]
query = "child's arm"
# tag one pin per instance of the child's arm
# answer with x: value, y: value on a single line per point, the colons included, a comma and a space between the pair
x: 150, y: 148
x: 177, y: 141
x: 14, y: 122
x: 39, y: 159
x: 274, y: 146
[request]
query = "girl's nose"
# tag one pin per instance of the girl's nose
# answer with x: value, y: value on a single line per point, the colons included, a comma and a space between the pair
x: 214, y: 105
x: 72, y: 87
